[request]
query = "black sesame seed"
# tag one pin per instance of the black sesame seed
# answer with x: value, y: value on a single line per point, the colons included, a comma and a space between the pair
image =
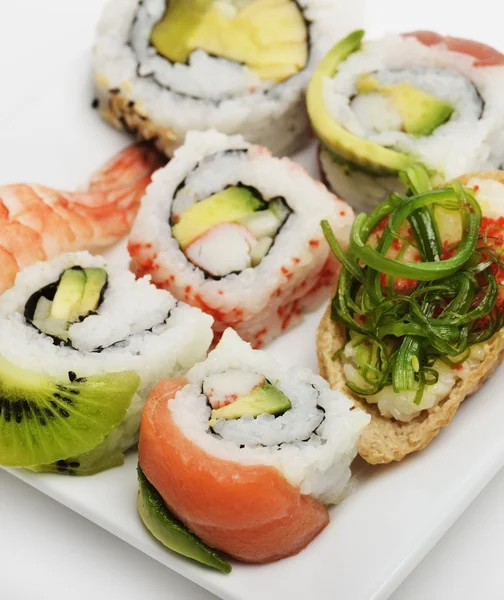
x: 95, y: 103
x: 131, y: 104
x: 114, y: 91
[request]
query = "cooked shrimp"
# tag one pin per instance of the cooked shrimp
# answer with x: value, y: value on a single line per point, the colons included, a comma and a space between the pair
x: 37, y: 222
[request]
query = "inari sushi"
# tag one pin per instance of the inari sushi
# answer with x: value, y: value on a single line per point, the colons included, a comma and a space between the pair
x: 416, y: 324
x: 236, y: 232
x: 165, y: 67
x: 247, y: 455
x: 82, y: 344
x: 379, y: 106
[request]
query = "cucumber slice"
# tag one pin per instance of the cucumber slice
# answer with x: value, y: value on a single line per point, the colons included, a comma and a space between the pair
x: 173, y: 534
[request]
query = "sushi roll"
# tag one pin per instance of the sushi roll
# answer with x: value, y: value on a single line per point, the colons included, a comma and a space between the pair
x: 82, y: 344
x: 247, y: 455
x: 230, y: 229
x: 163, y: 68
x: 377, y: 107
x: 416, y: 324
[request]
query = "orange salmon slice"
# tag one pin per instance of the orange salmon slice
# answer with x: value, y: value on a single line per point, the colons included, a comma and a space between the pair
x: 251, y: 512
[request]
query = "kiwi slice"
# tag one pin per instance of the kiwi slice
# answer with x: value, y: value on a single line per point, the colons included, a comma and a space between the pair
x: 43, y: 419
x: 173, y: 534
x: 95, y: 461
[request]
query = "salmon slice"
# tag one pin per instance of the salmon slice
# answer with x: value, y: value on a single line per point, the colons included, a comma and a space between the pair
x: 485, y: 56
x: 251, y: 512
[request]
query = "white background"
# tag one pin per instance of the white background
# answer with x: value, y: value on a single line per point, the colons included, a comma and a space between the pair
x: 46, y: 551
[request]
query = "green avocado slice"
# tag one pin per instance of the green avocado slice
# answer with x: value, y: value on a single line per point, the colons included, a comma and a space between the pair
x: 264, y: 399
x: 173, y: 534
x: 228, y: 206
x: 269, y: 36
x: 333, y: 136
x: 68, y: 296
x: 421, y: 113
x: 96, y: 280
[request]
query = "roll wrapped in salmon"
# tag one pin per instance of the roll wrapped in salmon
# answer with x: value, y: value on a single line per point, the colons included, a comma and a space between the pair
x: 246, y: 454
x: 165, y: 67
x: 230, y: 229
x: 379, y: 106
x: 82, y: 344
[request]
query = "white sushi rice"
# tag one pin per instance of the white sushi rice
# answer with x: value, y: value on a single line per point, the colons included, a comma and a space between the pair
x: 141, y: 328
x: 465, y: 143
x: 253, y: 290
x: 209, y: 92
x: 324, y: 419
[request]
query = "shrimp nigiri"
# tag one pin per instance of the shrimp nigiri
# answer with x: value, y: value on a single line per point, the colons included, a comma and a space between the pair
x: 38, y: 222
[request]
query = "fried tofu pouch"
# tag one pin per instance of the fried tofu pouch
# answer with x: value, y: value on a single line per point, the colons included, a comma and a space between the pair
x: 386, y: 440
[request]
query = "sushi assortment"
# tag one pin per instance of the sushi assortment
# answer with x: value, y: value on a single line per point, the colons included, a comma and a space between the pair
x: 230, y: 242
x: 230, y: 229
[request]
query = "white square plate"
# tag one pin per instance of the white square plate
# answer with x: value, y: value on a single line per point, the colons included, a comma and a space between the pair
x: 395, y: 514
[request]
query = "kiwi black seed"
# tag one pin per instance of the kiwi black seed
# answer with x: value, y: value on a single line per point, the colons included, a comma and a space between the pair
x: 44, y: 420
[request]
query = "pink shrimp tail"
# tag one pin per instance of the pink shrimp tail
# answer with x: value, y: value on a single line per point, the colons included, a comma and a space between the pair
x: 38, y: 222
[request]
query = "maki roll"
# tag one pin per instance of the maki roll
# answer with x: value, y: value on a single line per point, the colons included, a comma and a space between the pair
x: 377, y: 107
x: 230, y: 229
x: 163, y: 68
x: 416, y: 324
x: 245, y: 454
x: 81, y: 346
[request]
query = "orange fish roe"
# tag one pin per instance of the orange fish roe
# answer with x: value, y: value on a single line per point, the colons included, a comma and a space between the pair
x: 396, y: 244
x: 314, y: 243
x: 296, y: 260
x: 342, y: 213
x: 134, y: 247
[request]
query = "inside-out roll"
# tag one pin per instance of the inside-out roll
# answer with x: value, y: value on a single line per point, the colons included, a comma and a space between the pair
x: 379, y: 106
x: 82, y: 345
x: 163, y: 68
x: 232, y: 230
x: 241, y: 431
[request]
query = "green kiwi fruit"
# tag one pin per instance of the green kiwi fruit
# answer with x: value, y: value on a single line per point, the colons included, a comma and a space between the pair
x: 44, y: 419
x: 92, y: 462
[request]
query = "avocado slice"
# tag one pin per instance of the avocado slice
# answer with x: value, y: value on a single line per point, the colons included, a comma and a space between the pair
x: 69, y: 294
x: 269, y: 36
x: 265, y: 398
x: 421, y: 113
x: 173, y: 534
x: 228, y: 206
x: 333, y: 136
x: 96, y: 279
